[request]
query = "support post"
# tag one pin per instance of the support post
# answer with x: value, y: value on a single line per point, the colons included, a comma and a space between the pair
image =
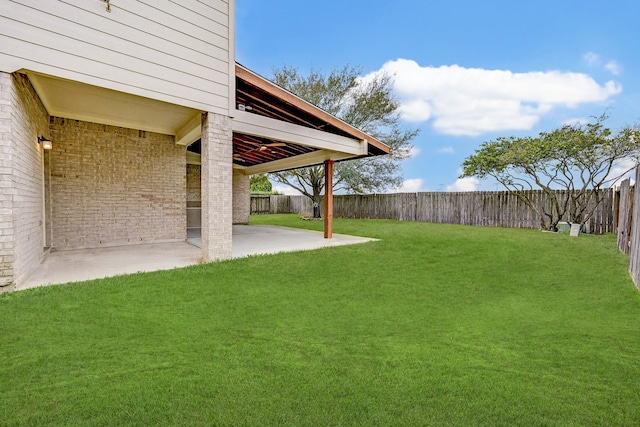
x: 328, y: 199
x: 216, y: 180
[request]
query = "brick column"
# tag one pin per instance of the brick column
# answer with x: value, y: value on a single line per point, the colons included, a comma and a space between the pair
x: 241, y: 197
x: 217, y: 192
x: 6, y: 183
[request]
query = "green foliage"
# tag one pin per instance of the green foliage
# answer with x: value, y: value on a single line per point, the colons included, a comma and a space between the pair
x: 508, y: 327
x: 367, y: 105
x: 259, y: 183
x: 578, y: 158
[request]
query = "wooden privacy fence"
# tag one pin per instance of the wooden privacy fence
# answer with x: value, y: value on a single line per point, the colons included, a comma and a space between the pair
x: 487, y: 208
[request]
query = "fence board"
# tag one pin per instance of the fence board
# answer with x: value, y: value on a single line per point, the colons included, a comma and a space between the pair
x: 634, y: 253
x: 624, y: 221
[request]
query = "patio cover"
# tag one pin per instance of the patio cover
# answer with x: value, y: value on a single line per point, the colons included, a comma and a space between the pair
x: 294, y: 132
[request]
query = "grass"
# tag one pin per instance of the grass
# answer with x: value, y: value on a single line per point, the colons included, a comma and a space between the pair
x: 432, y: 325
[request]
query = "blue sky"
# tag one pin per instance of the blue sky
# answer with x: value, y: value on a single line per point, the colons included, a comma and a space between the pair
x: 465, y: 71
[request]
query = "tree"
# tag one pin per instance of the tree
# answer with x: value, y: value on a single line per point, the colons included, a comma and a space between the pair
x: 259, y: 183
x: 367, y: 105
x: 579, y: 158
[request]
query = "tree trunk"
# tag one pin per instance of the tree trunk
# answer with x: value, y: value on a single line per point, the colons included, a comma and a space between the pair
x: 315, y: 201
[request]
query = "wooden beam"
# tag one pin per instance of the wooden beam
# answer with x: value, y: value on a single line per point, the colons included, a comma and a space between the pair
x: 264, y: 127
x: 190, y: 132
x: 328, y: 199
x: 303, y: 160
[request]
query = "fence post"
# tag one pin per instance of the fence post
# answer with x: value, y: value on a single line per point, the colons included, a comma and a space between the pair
x: 634, y: 249
x: 624, y: 213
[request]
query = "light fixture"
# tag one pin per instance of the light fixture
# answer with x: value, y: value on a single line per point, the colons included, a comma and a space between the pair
x: 46, y: 143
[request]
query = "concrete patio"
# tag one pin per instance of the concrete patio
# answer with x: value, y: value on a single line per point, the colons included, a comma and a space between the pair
x: 87, y: 264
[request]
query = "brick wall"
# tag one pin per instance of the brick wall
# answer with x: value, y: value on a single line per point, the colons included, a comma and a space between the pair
x: 193, y: 183
x: 22, y: 119
x: 241, y: 197
x: 115, y: 186
x: 6, y: 181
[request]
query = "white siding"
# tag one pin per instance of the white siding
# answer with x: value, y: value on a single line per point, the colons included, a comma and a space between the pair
x: 178, y: 51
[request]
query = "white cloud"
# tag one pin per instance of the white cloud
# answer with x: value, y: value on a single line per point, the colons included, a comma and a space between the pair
x: 576, y: 121
x: 446, y: 150
x: 409, y: 186
x: 464, y: 184
x: 416, y: 110
x: 626, y: 167
x: 414, y: 152
x: 592, y: 58
x: 285, y: 189
x: 473, y: 101
x: 613, y: 67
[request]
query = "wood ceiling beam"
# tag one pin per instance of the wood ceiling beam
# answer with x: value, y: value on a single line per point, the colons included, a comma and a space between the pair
x: 309, y: 159
x: 253, y: 124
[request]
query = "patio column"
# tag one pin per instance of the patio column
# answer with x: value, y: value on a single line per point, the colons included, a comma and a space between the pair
x: 217, y: 193
x: 328, y: 199
x: 241, y: 197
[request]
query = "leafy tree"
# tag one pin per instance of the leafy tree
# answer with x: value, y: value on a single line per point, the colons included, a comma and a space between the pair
x: 367, y: 105
x: 580, y: 158
x: 259, y: 183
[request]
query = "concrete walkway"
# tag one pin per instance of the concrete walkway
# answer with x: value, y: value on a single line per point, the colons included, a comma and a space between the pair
x: 87, y: 264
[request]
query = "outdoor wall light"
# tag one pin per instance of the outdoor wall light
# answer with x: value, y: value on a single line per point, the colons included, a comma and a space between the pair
x: 46, y: 143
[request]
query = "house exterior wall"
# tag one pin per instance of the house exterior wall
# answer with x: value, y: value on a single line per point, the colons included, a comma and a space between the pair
x: 241, y: 197
x: 178, y: 52
x: 22, y: 119
x: 193, y: 183
x: 115, y: 186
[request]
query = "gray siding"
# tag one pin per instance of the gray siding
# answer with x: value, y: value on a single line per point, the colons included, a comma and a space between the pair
x: 175, y: 51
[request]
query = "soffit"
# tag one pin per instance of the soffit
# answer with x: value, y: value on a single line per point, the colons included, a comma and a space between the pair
x: 79, y: 101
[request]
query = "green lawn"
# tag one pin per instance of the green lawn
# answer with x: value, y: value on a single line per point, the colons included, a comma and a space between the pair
x: 432, y: 325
